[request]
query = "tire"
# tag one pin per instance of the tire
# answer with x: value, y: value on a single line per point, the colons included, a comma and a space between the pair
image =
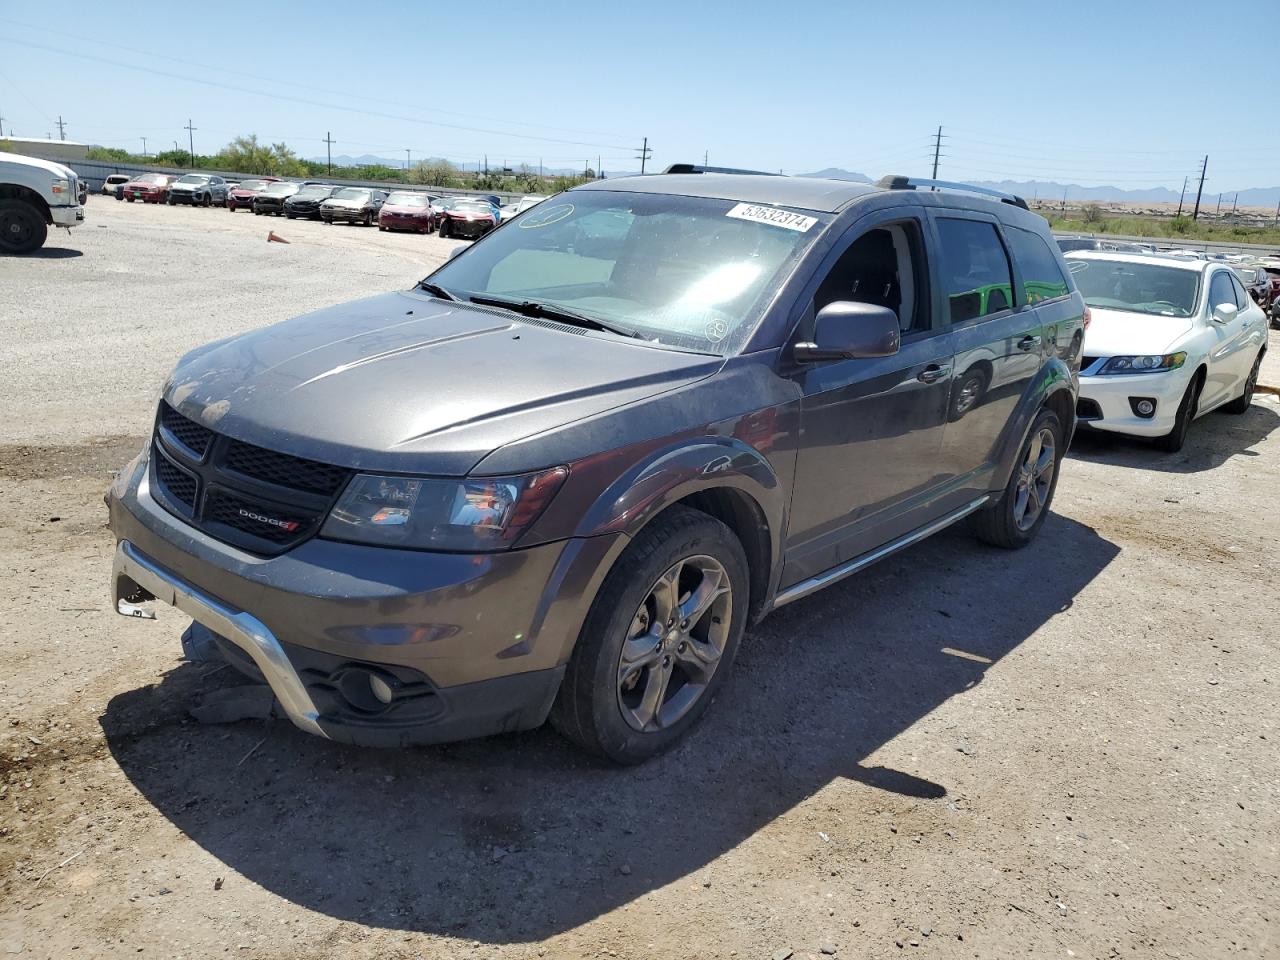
x: 1005, y: 523
x: 382, y: 228
x: 22, y: 227
x: 968, y: 393
x: 595, y: 707
x: 130, y: 199
x: 170, y: 201
x: 368, y: 220
x: 1172, y: 441
x: 1241, y: 403
x: 444, y: 231
x: 208, y: 200
x: 288, y: 215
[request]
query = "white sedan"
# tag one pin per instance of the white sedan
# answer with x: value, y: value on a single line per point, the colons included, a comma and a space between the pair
x: 1169, y: 340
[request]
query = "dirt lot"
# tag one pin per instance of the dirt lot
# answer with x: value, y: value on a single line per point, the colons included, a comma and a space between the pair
x: 1068, y: 751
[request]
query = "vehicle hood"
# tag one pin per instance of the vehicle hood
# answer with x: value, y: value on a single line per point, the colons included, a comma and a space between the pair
x: 57, y: 169
x: 468, y: 215
x: 245, y: 191
x: 404, y: 382
x: 1114, y: 333
x: 143, y: 185
x: 345, y: 204
x: 187, y: 186
x: 405, y: 208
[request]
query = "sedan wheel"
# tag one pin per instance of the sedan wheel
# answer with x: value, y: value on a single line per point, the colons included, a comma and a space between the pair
x: 1241, y: 403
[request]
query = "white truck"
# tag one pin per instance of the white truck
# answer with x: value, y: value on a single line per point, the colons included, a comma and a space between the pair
x: 35, y: 195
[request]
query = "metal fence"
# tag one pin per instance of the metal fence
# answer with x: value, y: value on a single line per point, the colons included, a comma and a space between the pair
x: 95, y: 172
x: 1172, y: 243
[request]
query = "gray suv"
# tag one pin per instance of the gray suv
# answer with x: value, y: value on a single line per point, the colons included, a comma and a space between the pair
x: 198, y: 189
x: 563, y: 474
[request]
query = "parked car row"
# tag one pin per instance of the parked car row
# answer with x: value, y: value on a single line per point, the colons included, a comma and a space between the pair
x: 469, y: 217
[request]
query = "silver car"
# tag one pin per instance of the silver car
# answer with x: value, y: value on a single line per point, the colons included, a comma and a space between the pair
x: 198, y: 189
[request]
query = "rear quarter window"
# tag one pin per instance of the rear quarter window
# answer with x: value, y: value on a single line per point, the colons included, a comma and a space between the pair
x: 1042, y: 277
x: 976, y: 274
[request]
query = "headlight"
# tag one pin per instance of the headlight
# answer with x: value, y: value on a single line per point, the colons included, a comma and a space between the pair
x: 473, y: 515
x: 61, y: 186
x: 1147, y: 363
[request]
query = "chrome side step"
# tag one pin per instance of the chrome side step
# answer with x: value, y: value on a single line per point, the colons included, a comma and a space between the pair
x: 813, y: 584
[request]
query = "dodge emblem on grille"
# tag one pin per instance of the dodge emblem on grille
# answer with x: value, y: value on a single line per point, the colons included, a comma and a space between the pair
x: 289, y: 525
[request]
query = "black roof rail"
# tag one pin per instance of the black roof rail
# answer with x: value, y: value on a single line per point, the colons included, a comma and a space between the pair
x: 695, y: 168
x: 911, y: 183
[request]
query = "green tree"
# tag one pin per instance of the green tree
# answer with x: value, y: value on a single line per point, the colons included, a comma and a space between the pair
x: 171, y: 158
x: 110, y: 153
x: 436, y: 173
x: 1092, y: 213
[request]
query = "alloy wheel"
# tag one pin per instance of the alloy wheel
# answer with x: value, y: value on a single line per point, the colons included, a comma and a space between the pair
x: 1035, y: 477
x: 674, y: 643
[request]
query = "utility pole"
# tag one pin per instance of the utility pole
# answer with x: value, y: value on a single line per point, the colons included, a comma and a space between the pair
x: 191, y: 143
x: 1, y: 125
x: 408, y: 158
x: 937, y: 151
x: 328, y: 150
x: 1064, y: 199
x: 705, y: 161
x: 486, y: 164
x: 1200, y: 190
x: 599, y: 172
x: 1277, y: 219
x: 62, y: 128
x: 1182, y: 196
x: 643, y: 155
x: 144, y: 147
x: 1218, y: 209
x: 1233, y: 204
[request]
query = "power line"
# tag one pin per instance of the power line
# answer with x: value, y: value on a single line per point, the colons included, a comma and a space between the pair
x: 308, y: 101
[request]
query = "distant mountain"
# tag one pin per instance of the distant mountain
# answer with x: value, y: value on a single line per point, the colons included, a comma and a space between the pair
x: 835, y: 173
x: 369, y: 160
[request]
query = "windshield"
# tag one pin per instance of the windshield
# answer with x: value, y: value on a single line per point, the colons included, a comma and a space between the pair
x: 315, y: 190
x: 1247, y: 274
x: 152, y: 178
x: 252, y: 185
x: 472, y: 206
x: 281, y: 189
x: 194, y: 178
x: 408, y: 200
x: 352, y: 193
x: 687, y: 272
x: 1136, y: 287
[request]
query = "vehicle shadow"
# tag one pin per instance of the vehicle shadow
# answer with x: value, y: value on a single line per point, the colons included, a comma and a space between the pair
x: 1212, y: 440
x: 516, y: 838
x: 54, y: 253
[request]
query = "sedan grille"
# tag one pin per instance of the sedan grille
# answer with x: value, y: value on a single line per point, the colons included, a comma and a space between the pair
x: 242, y: 494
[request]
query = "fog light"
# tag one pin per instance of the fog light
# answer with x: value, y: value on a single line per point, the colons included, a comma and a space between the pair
x: 1144, y: 407
x: 380, y: 688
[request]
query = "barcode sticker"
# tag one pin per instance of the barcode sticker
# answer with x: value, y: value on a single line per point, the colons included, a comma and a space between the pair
x: 772, y: 216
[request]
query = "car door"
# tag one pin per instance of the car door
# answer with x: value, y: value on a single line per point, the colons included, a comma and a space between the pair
x: 870, y: 428
x: 998, y: 340
x: 1229, y: 350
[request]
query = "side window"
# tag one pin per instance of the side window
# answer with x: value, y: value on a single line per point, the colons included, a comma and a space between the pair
x: 1220, y: 291
x: 975, y: 269
x: 1242, y: 298
x: 1042, y: 278
x: 886, y: 267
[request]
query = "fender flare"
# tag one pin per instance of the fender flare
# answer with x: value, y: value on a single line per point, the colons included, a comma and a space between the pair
x: 1054, y: 380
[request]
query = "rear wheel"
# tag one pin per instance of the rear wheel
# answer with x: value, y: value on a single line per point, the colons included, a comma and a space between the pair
x: 659, y: 639
x: 22, y: 228
x: 1241, y: 403
x: 1013, y: 520
x: 1172, y: 441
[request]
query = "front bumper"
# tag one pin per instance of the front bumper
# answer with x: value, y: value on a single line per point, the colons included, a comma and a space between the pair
x: 67, y: 216
x: 470, y: 228
x: 345, y: 214
x: 476, y: 643
x: 1105, y: 401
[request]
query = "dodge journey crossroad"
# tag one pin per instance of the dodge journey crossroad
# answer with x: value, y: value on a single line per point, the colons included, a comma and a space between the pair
x: 559, y: 477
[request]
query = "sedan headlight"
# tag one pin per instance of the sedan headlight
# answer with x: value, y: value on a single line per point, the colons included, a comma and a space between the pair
x: 1146, y: 363
x: 476, y: 514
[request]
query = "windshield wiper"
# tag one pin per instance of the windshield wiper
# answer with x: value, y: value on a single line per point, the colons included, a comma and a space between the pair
x: 531, y: 308
x: 436, y: 290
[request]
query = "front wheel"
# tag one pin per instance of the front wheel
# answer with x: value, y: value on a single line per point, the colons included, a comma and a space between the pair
x: 1241, y: 403
x: 444, y: 231
x: 22, y: 227
x: 1014, y: 519
x: 658, y: 641
x: 1172, y: 441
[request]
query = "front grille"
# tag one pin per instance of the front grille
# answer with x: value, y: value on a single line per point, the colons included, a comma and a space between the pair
x: 189, y: 433
x: 284, y: 470
x: 257, y: 499
x: 274, y: 524
x: 178, y: 483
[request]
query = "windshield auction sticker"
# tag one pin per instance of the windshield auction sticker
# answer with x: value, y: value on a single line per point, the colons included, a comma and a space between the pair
x: 772, y: 216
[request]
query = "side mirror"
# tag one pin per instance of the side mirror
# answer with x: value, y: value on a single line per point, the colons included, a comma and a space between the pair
x: 845, y: 330
x: 1225, y: 312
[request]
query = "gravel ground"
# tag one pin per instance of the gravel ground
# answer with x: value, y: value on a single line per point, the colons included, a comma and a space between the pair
x: 1067, y: 751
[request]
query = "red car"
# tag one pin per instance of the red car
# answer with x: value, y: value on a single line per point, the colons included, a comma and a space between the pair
x: 148, y: 187
x: 407, y: 210
x: 242, y: 194
x: 468, y: 218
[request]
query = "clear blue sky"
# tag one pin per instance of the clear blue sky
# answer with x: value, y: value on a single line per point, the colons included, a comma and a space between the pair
x: 1124, y: 92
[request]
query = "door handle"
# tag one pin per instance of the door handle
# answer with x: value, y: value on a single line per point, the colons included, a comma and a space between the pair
x: 1028, y: 343
x: 933, y: 373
